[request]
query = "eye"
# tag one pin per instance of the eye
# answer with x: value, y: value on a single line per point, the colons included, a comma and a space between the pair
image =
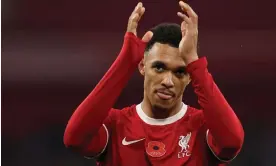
x: 159, y: 69
x: 159, y: 66
x: 180, y: 73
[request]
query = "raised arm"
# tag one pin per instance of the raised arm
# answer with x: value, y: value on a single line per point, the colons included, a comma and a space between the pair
x: 225, y: 135
x: 88, y: 128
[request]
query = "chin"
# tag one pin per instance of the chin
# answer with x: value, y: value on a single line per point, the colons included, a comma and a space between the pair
x: 158, y: 103
x: 165, y: 105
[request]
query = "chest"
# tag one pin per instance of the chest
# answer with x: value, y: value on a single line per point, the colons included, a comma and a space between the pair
x: 138, y: 143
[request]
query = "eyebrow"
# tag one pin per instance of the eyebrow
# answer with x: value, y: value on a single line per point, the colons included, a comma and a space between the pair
x: 159, y: 63
x: 162, y: 64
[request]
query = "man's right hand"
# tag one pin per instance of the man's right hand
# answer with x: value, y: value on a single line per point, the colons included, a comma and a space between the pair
x: 133, y: 20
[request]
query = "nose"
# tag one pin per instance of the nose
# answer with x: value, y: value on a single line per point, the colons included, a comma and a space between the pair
x: 168, y: 81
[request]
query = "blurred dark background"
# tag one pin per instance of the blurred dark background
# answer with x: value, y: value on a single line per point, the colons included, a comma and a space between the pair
x: 55, y: 51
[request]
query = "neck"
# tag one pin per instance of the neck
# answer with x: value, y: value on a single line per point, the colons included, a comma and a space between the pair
x: 158, y: 112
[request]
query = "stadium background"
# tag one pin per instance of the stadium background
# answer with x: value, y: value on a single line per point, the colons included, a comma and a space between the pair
x: 55, y: 51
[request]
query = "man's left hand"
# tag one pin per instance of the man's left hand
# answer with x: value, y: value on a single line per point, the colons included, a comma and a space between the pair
x: 189, y: 29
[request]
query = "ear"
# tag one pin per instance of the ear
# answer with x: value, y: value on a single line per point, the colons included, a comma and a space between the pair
x: 141, y: 67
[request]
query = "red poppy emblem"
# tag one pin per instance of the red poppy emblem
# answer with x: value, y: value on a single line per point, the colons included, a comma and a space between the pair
x: 156, y: 149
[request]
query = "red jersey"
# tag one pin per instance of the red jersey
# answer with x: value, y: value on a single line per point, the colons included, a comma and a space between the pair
x: 136, y: 139
x: 128, y: 137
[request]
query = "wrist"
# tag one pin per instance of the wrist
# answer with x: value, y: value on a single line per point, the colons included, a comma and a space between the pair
x: 190, y: 58
x: 133, y: 48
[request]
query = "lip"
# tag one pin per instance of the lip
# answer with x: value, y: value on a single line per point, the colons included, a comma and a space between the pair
x: 165, y: 94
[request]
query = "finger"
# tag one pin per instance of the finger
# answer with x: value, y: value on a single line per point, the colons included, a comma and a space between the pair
x: 142, y: 11
x: 148, y: 35
x: 184, y: 17
x: 183, y: 28
x: 135, y: 17
x: 137, y: 8
x: 186, y: 8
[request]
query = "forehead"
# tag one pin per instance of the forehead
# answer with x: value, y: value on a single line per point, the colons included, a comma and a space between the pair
x: 165, y: 53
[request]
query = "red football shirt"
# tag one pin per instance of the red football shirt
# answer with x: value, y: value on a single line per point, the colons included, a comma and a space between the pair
x: 133, y: 138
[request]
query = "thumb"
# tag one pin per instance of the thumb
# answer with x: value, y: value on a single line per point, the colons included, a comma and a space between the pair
x: 148, y: 35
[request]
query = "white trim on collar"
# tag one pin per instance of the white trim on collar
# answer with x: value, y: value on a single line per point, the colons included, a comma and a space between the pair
x: 161, y: 122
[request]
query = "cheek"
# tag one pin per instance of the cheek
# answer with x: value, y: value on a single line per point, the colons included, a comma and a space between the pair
x: 181, y: 85
x: 147, y: 82
x: 151, y: 80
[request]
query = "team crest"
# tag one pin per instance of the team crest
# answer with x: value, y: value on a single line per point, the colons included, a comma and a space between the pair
x: 155, y: 149
x: 184, y: 145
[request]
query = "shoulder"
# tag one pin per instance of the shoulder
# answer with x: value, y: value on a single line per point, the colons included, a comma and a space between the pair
x: 195, y: 118
x: 128, y: 111
x: 194, y: 112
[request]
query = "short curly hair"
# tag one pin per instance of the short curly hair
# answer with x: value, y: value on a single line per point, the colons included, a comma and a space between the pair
x: 165, y: 33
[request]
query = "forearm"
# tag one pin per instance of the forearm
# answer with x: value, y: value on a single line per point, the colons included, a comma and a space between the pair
x: 89, y: 116
x: 221, y: 120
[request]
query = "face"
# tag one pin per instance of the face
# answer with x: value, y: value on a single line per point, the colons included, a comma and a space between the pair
x: 165, y: 76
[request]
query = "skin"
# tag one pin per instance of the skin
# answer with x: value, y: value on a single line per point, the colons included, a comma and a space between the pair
x: 163, y: 67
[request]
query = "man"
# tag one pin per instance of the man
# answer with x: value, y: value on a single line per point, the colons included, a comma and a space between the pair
x: 161, y: 130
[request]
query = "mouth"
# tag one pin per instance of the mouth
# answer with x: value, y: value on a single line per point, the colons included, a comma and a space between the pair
x: 164, y: 95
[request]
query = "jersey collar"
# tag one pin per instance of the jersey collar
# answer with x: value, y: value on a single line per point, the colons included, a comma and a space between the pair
x: 161, y: 122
